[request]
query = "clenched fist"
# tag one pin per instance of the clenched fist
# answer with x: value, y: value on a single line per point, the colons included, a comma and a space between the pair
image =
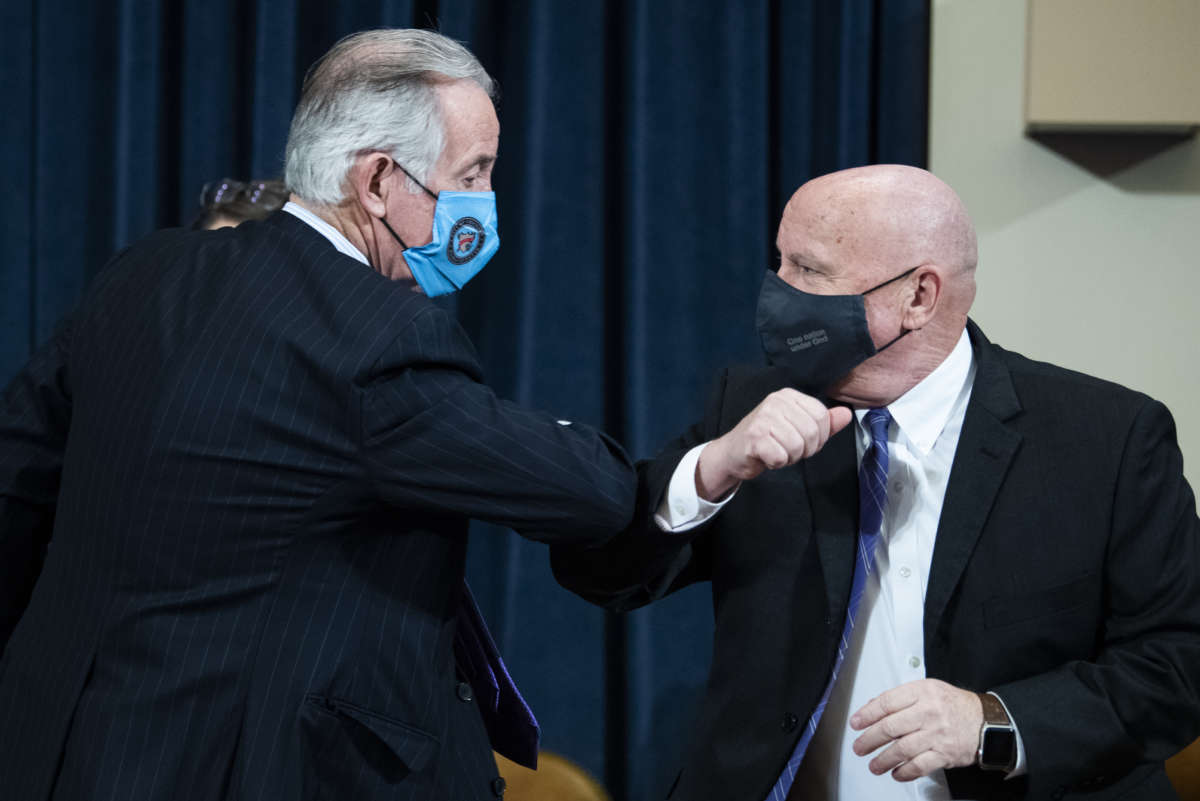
x: 786, y: 427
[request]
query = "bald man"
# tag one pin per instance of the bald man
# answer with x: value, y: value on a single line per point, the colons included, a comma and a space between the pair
x: 939, y: 569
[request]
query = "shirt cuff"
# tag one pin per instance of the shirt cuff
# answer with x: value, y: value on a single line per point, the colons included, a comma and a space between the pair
x: 1020, y: 768
x: 682, y: 508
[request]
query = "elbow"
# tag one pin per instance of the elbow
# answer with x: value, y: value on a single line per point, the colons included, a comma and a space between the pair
x: 576, y: 569
x: 614, y: 498
x: 611, y: 509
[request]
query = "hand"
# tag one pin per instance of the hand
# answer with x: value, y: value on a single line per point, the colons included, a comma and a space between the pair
x: 786, y: 427
x: 929, y: 723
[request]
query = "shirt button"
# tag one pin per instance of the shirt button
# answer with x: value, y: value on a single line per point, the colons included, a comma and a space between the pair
x: 914, y: 661
x: 464, y: 691
x: 905, y: 572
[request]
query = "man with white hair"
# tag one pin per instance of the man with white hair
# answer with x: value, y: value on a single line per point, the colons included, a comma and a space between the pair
x: 972, y: 576
x: 235, y: 486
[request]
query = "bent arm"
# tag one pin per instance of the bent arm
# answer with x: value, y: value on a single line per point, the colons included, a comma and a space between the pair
x: 435, y: 438
x: 1139, y: 700
x: 647, y: 561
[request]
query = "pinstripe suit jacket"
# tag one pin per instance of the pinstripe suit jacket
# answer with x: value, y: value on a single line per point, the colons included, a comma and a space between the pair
x: 234, y: 493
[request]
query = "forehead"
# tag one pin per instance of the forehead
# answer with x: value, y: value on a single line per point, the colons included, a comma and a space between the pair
x: 840, y: 224
x: 814, y: 225
x: 828, y: 203
x: 472, y: 128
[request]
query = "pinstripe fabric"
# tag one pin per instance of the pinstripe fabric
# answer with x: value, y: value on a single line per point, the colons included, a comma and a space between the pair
x: 259, y: 458
x: 872, y: 498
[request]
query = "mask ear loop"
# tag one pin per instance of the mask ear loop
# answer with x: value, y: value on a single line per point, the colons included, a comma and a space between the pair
x: 903, y: 331
x: 429, y: 192
x: 904, y: 274
x: 393, y: 233
x: 433, y: 195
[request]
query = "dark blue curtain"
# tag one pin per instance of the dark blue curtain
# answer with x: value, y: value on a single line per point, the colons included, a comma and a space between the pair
x: 647, y: 149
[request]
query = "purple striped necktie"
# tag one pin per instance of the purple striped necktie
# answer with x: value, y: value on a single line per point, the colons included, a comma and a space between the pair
x: 872, y: 498
x: 511, y: 726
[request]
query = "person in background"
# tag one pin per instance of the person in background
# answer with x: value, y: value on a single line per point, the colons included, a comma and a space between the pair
x: 226, y: 203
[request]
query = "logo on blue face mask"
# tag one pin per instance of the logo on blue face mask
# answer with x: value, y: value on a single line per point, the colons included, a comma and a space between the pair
x: 465, y: 237
x: 466, y: 240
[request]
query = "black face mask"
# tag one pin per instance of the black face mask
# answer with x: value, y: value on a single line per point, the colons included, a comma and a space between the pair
x: 817, y: 338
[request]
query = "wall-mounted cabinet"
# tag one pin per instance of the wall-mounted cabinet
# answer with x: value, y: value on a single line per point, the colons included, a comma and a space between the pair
x: 1113, y: 66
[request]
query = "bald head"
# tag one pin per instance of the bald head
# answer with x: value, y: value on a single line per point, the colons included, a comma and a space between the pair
x: 852, y: 230
x: 887, y: 214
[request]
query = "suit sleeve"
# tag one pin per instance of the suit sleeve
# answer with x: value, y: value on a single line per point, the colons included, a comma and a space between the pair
x: 34, y: 419
x: 438, y: 440
x: 644, y: 563
x: 1139, y: 700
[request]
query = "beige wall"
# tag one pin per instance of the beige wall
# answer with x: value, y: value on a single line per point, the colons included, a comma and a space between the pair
x: 1098, y: 274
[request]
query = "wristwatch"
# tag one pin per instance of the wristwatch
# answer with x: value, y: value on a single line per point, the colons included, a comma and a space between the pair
x: 997, y: 738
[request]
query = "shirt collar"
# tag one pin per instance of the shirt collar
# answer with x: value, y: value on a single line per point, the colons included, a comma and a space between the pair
x: 335, y: 237
x: 923, y: 411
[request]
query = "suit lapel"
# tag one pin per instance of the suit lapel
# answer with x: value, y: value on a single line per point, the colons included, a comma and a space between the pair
x: 985, y: 450
x: 831, y: 477
x: 830, y: 480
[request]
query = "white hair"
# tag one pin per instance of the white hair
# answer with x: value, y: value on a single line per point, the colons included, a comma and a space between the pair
x: 373, y: 91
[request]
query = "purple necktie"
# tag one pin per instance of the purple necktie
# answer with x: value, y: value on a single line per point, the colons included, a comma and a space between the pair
x: 510, y: 723
x: 872, y: 497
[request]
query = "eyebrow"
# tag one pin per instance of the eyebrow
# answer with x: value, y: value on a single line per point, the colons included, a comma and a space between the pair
x: 808, y: 263
x: 482, y: 161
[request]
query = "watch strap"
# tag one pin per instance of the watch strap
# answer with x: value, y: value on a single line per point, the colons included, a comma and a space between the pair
x: 996, y: 731
x: 993, y: 711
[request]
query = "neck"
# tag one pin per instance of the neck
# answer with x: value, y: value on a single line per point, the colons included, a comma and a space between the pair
x: 355, y: 224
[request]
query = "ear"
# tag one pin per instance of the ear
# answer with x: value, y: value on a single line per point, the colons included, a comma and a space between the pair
x: 367, y: 182
x: 921, y: 301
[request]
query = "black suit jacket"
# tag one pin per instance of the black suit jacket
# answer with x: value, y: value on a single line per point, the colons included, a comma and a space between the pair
x: 1065, y: 577
x: 234, y: 494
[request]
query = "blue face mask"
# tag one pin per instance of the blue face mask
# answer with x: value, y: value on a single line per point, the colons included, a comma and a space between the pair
x: 465, y: 237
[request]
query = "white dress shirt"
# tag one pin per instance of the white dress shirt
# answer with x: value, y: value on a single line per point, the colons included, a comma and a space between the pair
x: 887, y: 647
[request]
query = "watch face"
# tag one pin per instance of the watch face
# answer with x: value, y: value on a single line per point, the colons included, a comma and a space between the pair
x: 999, y: 748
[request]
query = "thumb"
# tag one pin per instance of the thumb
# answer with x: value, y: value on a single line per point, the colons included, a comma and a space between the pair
x: 839, y: 418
